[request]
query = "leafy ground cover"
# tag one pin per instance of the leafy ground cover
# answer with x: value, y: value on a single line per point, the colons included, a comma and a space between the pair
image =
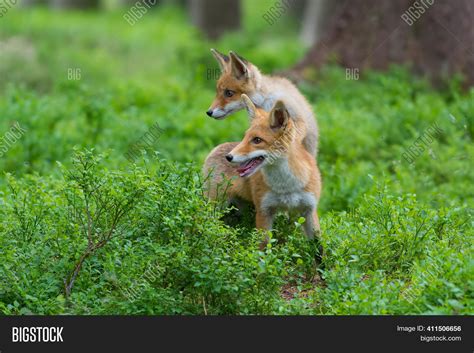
x: 398, y: 235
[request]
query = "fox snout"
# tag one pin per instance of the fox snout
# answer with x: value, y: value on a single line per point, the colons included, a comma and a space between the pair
x: 216, y: 113
x: 229, y: 157
x: 216, y: 110
x: 220, y: 110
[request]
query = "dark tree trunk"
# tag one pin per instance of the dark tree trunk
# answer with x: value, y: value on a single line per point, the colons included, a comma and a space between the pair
x: 316, y: 16
x: 214, y: 17
x: 145, y: 4
x: 436, y: 39
x: 29, y: 3
x: 74, y: 4
x: 297, y: 8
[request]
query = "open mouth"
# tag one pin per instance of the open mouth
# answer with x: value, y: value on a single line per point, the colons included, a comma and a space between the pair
x: 249, y: 167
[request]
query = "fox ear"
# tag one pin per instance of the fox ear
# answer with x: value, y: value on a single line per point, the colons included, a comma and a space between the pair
x: 279, y: 116
x: 222, y: 59
x: 249, y: 106
x: 239, y: 66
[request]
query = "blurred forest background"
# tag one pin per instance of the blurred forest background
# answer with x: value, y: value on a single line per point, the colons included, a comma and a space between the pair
x: 103, y: 132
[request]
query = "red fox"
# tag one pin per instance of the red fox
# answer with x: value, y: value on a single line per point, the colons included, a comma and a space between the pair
x: 269, y: 168
x: 241, y: 77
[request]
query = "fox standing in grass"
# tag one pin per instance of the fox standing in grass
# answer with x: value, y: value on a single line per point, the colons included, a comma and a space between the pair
x: 273, y: 169
x: 241, y: 77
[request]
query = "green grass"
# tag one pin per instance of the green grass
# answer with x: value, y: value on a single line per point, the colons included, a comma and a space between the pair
x: 398, y: 237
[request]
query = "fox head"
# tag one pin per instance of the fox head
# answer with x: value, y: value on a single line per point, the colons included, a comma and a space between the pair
x: 267, y: 139
x: 236, y: 79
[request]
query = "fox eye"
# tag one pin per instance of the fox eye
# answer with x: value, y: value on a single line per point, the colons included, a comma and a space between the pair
x: 228, y: 93
x: 256, y: 140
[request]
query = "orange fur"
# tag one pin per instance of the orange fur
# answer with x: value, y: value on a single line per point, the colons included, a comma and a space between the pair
x: 269, y: 182
x: 242, y: 77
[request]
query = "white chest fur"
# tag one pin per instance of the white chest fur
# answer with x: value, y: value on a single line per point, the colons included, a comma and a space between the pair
x: 286, y: 190
x: 302, y: 201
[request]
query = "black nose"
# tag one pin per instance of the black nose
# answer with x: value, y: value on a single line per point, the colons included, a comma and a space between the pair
x: 229, y: 157
x: 209, y: 112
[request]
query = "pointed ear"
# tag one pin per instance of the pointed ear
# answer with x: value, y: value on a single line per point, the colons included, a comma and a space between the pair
x: 279, y: 116
x: 222, y: 59
x: 239, y: 66
x: 249, y: 106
